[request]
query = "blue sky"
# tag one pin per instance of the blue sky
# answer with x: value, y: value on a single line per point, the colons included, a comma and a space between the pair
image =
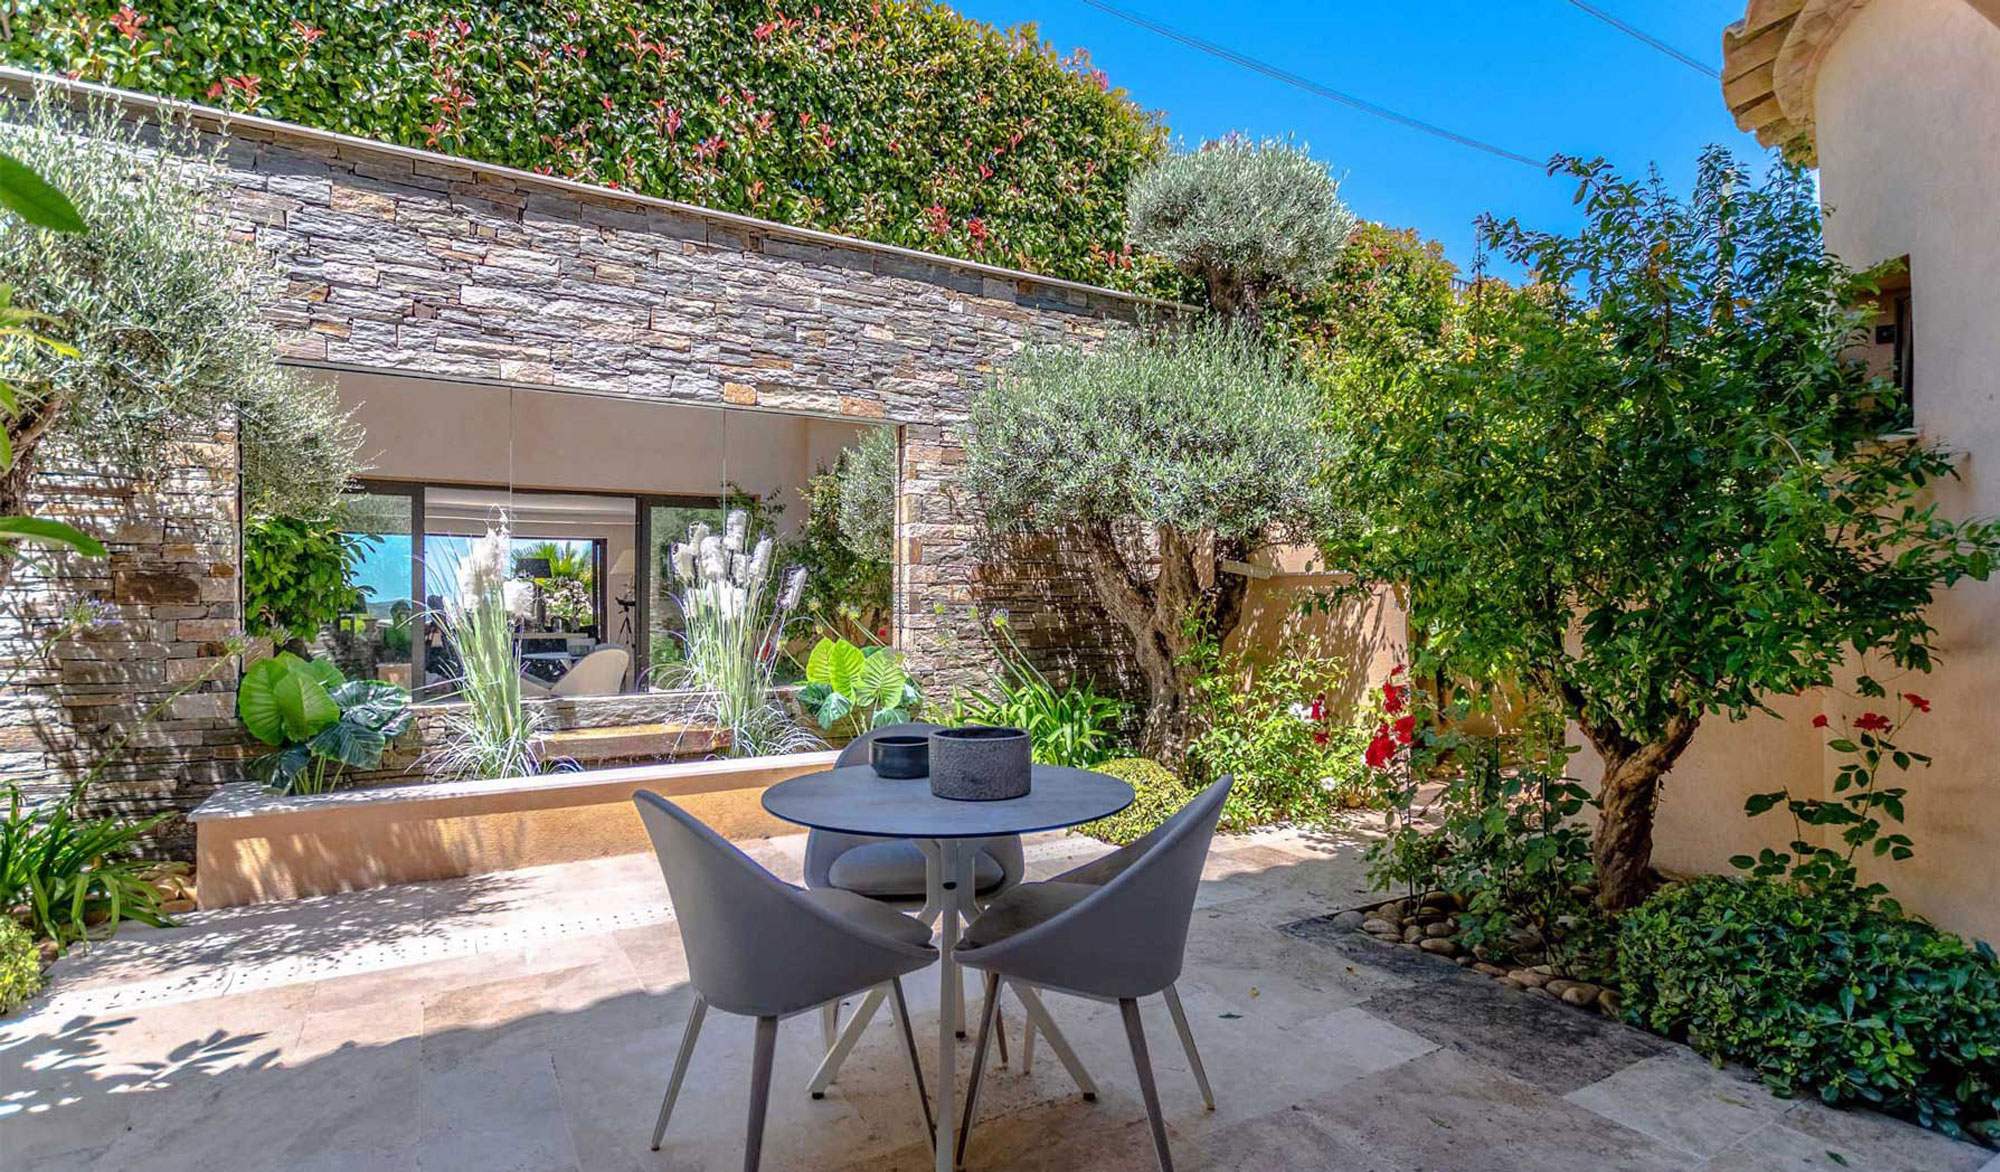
x: 1534, y: 76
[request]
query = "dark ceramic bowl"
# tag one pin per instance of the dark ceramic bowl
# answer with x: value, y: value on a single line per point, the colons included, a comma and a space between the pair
x: 900, y: 755
x: 980, y: 763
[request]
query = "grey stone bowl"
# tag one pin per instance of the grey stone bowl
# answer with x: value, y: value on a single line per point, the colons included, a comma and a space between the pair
x: 900, y: 755
x: 980, y: 763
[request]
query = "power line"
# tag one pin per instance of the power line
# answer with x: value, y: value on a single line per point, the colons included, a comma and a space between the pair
x: 1645, y: 38
x: 1307, y: 84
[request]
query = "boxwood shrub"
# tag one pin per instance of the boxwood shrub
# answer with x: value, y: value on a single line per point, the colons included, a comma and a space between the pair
x: 1833, y: 995
x: 1157, y: 792
x: 20, y: 965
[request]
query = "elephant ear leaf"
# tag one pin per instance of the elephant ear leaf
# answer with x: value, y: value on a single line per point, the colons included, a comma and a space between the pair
x: 278, y: 770
x: 303, y: 705
x: 376, y: 705
x: 30, y: 197
x: 351, y: 744
x: 881, y: 681
x: 257, y: 701
x: 835, y: 663
x: 322, y: 671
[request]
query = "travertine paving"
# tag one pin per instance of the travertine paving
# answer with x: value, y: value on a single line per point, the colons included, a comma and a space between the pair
x: 527, y: 1020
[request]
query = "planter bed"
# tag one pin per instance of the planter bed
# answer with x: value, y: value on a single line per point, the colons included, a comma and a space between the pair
x: 254, y: 846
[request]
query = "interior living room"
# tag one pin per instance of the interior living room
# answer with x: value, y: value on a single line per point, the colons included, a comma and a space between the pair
x: 594, y: 492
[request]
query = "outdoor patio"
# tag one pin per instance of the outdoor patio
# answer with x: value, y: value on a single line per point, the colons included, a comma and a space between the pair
x: 526, y: 1020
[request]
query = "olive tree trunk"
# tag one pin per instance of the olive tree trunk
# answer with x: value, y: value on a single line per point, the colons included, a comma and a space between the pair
x: 25, y: 431
x: 1627, y: 800
x: 1162, y: 607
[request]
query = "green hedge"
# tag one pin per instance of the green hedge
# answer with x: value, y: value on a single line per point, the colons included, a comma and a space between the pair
x: 1821, y: 994
x: 1156, y: 794
x: 20, y: 965
x: 897, y: 121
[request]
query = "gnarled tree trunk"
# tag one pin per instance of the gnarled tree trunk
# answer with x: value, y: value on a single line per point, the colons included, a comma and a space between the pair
x: 1155, y: 605
x: 1627, y: 800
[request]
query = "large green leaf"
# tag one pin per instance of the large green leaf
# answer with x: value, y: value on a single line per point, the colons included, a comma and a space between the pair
x: 303, y: 704
x: 44, y: 532
x: 880, y: 683
x: 835, y: 663
x: 29, y: 196
x: 374, y: 704
x: 257, y: 700
x: 350, y: 743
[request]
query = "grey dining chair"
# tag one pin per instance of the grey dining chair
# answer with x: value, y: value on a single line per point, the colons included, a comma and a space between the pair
x: 759, y: 947
x: 1114, y: 929
x: 893, y: 868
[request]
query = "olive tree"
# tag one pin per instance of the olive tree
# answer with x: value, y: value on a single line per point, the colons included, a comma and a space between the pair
x: 1162, y: 456
x: 1652, y: 484
x: 1245, y: 218
x: 158, y: 309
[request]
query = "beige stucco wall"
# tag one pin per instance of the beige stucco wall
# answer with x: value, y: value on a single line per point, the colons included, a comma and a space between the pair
x: 1907, y: 109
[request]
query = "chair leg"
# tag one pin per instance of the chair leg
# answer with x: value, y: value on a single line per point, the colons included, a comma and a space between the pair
x: 978, y: 1064
x: 829, y: 1022
x: 1000, y: 1031
x: 688, y: 1034
x: 916, y: 1066
x: 761, y: 1062
x: 1027, y: 1043
x: 1136, y: 1034
x: 1187, y: 1043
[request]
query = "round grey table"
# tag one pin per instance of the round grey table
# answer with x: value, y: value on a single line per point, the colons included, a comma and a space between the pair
x: 854, y: 800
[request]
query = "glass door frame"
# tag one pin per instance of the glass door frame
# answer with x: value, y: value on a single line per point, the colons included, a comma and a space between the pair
x: 645, y: 566
x: 412, y: 491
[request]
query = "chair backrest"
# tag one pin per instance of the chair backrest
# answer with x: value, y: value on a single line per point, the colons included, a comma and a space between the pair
x: 824, y: 846
x: 755, y: 945
x: 1127, y: 938
x: 601, y: 673
x: 856, y: 750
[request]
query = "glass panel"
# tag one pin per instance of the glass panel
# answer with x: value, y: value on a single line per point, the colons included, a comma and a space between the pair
x: 373, y: 641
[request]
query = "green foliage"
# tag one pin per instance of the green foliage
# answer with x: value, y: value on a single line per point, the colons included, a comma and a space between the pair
x: 20, y: 966
x: 30, y: 197
x: 1068, y: 725
x: 1652, y: 486
x: 1244, y: 218
x: 1827, y: 994
x: 1272, y: 728
x: 296, y: 576
x: 1854, y: 813
x: 895, y: 121
x: 1499, y: 830
x: 155, y: 254
x: 1157, y: 794
x: 867, y: 476
x: 863, y: 687
x: 73, y: 876
x: 846, y: 587
x: 320, y: 723
x: 1198, y: 428
x: 1386, y: 311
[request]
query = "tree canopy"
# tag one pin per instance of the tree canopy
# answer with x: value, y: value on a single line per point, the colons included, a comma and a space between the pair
x: 1651, y: 484
x: 893, y: 120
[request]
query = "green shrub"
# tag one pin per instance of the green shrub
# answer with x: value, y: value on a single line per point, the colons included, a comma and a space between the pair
x: 1156, y: 791
x: 74, y: 876
x: 1825, y: 993
x: 1069, y: 725
x: 296, y: 576
x: 896, y: 121
x: 20, y: 966
x: 1278, y: 734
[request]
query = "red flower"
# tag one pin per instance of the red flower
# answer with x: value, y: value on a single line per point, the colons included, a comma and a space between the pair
x: 1393, y: 696
x: 1380, y: 749
x: 1319, y: 708
x: 1399, y: 669
x: 977, y: 227
x: 605, y: 99
x: 1319, y: 736
x: 1819, y: 721
x: 1406, y: 729
x: 1872, y: 722
x: 940, y: 219
x: 1917, y: 702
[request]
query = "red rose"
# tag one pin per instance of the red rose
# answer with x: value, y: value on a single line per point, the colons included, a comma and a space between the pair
x: 1819, y: 721
x: 1393, y: 696
x: 1319, y: 736
x: 1917, y: 702
x: 1406, y: 729
x: 1872, y: 722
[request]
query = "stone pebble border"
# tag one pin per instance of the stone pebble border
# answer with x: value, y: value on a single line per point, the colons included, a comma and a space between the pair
x: 1433, y: 927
